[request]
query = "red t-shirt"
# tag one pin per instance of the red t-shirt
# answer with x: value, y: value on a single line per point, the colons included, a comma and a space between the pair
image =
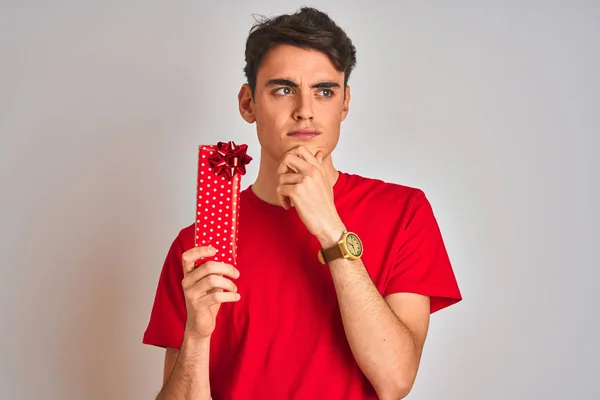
x: 284, y: 339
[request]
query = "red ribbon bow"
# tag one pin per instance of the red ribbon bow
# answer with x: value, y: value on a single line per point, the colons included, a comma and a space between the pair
x: 230, y: 159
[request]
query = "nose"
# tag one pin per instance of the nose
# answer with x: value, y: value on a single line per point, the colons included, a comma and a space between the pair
x: 303, y: 109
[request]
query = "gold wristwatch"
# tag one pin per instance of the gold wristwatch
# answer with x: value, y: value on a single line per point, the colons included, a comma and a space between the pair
x: 349, y: 246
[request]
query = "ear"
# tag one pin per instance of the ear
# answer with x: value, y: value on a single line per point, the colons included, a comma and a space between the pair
x: 346, y: 105
x: 246, y: 104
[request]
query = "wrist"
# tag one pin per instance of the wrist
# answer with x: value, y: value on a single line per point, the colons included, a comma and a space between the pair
x: 332, y: 235
x: 194, y: 341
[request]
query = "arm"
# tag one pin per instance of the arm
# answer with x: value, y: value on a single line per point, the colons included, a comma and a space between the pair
x: 186, y: 371
x: 386, y: 336
x: 170, y: 360
x: 206, y: 287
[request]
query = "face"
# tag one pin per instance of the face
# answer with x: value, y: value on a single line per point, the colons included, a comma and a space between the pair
x: 299, y: 100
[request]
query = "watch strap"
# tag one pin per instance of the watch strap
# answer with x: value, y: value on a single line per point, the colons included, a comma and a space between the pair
x: 332, y: 253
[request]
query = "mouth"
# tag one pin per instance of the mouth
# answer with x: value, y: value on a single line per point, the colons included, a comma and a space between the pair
x: 304, y: 134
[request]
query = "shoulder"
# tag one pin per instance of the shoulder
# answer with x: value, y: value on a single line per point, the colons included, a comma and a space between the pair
x: 394, y: 205
x: 374, y: 191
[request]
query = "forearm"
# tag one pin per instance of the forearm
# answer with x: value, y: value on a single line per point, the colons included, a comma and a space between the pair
x: 189, y: 379
x: 382, y: 345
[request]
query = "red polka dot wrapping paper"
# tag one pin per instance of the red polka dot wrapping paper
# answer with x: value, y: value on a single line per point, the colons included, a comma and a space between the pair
x: 218, y: 200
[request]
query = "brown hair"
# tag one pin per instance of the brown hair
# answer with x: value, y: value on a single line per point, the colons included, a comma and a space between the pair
x: 307, y: 28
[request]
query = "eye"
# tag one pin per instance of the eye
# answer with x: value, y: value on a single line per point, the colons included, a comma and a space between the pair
x: 283, y: 91
x: 326, y: 92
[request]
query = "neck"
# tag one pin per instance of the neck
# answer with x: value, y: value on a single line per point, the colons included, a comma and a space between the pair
x: 265, y: 186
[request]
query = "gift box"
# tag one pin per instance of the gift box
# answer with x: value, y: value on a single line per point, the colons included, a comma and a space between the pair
x: 220, y: 170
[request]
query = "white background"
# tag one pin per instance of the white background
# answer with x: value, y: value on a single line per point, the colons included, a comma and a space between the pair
x: 492, y: 108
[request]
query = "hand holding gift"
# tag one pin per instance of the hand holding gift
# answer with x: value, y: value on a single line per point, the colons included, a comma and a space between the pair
x: 209, y: 266
x: 205, y: 287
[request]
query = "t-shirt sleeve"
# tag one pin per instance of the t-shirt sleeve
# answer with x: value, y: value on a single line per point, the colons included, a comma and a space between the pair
x: 421, y: 261
x: 168, y: 316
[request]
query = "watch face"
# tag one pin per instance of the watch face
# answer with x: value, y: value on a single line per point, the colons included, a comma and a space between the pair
x: 354, y: 245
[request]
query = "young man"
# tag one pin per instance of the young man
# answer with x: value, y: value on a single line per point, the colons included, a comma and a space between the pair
x: 292, y: 322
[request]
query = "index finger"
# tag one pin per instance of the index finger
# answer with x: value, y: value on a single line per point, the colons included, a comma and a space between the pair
x: 298, y: 159
x: 307, y: 155
x: 292, y: 163
x: 189, y: 258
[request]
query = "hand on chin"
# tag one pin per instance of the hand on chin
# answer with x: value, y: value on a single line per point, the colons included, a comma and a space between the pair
x: 303, y: 184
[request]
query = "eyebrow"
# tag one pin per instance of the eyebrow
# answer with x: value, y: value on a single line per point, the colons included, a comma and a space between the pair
x: 291, y: 83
